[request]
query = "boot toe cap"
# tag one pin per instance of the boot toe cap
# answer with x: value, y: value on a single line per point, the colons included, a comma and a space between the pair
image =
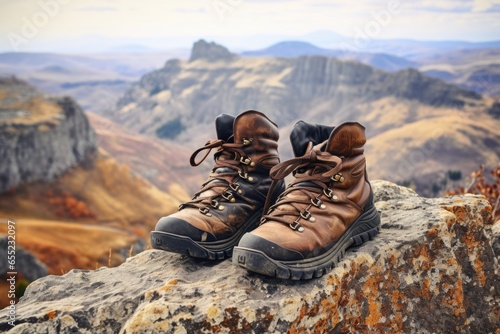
x: 181, y: 227
x: 271, y: 249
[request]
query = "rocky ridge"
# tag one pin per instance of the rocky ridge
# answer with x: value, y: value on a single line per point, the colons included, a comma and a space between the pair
x: 432, y: 269
x: 184, y: 95
x: 41, y: 137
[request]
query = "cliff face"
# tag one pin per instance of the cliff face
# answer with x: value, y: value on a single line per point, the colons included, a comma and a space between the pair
x: 432, y: 269
x: 41, y: 137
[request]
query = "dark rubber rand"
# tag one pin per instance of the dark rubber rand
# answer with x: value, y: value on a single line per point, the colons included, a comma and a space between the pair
x: 216, y: 250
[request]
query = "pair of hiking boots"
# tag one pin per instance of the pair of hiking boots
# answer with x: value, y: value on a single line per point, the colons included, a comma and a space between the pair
x: 244, y: 210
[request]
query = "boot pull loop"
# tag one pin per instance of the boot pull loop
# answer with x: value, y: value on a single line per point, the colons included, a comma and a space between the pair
x: 208, y: 146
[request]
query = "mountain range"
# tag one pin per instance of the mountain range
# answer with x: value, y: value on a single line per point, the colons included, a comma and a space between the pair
x: 100, y: 44
x: 290, y: 49
x: 418, y: 126
x: 98, y: 80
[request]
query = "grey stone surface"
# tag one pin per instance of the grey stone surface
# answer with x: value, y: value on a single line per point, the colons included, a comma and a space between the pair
x: 430, y: 270
x: 40, y: 150
x: 210, y: 51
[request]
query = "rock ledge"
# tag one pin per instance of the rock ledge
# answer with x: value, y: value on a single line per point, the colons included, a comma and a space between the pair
x: 432, y: 269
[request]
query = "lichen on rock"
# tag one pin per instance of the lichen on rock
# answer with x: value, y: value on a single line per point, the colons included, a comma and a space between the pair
x: 431, y: 269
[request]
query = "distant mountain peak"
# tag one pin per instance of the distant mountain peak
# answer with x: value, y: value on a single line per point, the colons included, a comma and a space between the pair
x: 13, y: 81
x: 210, y: 51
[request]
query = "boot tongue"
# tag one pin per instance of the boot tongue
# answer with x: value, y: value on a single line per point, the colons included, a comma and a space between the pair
x: 310, y: 146
x: 303, y: 133
x: 224, y: 127
x: 347, y: 140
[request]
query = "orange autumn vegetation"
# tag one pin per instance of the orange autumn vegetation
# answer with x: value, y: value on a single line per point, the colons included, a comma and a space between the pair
x: 480, y: 185
x: 74, y: 221
x: 62, y: 245
x: 65, y: 204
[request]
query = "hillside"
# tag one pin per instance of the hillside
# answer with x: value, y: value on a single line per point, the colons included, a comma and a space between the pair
x: 162, y: 162
x: 180, y: 101
x: 477, y: 70
x: 73, y: 203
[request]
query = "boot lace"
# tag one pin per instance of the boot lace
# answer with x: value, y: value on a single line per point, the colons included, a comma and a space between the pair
x: 313, y: 173
x: 230, y: 162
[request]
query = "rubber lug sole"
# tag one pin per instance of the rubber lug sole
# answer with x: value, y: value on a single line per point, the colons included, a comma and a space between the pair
x: 362, y: 230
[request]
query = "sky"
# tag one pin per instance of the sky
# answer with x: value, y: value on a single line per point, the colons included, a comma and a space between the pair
x: 53, y: 25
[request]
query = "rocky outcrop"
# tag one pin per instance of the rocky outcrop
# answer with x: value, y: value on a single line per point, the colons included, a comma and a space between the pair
x: 430, y: 270
x: 210, y: 51
x: 41, y: 137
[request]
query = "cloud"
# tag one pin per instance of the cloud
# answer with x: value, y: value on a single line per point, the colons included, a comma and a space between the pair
x: 191, y: 11
x: 486, y: 6
x: 97, y: 9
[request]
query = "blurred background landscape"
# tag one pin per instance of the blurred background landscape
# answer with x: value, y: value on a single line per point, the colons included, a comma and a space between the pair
x: 103, y: 102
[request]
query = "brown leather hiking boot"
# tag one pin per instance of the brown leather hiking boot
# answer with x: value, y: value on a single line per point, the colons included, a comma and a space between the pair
x: 326, y: 209
x: 231, y: 201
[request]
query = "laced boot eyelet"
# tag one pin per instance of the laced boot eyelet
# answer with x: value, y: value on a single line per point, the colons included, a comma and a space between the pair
x: 317, y: 203
x: 328, y: 193
x: 305, y: 214
x: 244, y: 175
x: 296, y: 226
x: 245, y: 161
x: 338, y: 178
x: 236, y: 187
x: 214, y: 203
x: 228, y: 196
x: 247, y: 142
x: 262, y: 220
x: 205, y: 211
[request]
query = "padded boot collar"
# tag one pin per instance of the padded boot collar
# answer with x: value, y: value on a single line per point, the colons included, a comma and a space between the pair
x: 224, y: 126
x: 347, y: 140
